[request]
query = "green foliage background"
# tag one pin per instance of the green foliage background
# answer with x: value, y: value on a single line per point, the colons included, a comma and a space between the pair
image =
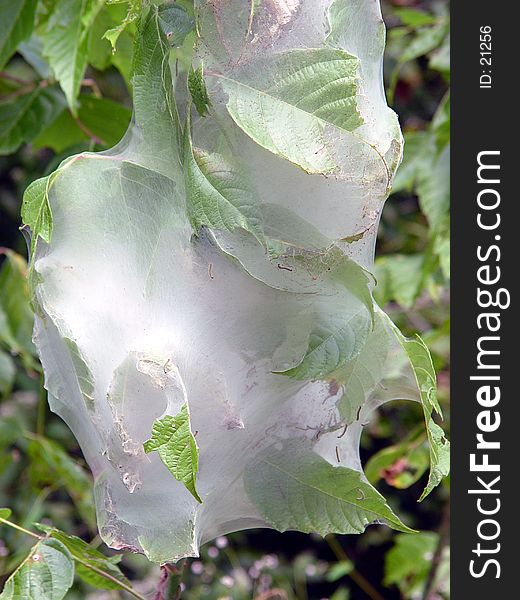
x: 65, y: 87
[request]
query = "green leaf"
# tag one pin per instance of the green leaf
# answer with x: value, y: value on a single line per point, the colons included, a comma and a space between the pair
x: 342, y: 593
x: 294, y: 488
x: 173, y: 440
x: 363, y: 374
x: 339, y: 570
x: 424, y: 41
x: 105, y: 120
x: 16, y: 317
x: 439, y: 59
x: 408, y: 562
x: 155, y: 111
x: 421, y: 363
x: 219, y: 194
x: 403, y: 275
x: 414, y: 17
x: 433, y: 188
x: 65, y: 43
x: 23, y: 118
x: 32, y: 51
x: 7, y: 372
x: 51, y: 465
x: 92, y: 567
x: 5, y: 513
x: 312, y: 90
x: 36, y: 211
x: 46, y: 574
x: 101, y: 54
x: 339, y: 334
x: 197, y: 89
x: 16, y: 25
x: 132, y: 14
x: 441, y: 246
x: 400, y: 465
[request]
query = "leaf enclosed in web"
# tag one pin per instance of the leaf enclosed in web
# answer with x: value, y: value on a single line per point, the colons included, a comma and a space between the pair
x: 287, y: 107
x: 339, y: 329
x: 218, y: 191
x: 155, y: 110
x: 360, y: 376
x: 16, y: 25
x: 294, y: 488
x: 336, y: 338
x: 46, y: 574
x: 173, y: 440
x: 198, y: 91
x: 82, y: 373
x: 91, y: 566
x: 23, y: 118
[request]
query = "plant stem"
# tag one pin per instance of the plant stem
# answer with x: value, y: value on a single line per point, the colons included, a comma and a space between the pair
x: 355, y: 575
x: 106, y: 575
x: 22, y: 529
x: 87, y: 565
x: 169, y: 587
x: 42, y: 409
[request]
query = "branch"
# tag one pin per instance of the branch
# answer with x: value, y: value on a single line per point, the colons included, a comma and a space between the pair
x: 355, y: 575
x: 444, y: 536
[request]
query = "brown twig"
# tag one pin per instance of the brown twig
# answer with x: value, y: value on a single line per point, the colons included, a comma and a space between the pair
x: 444, y: 536
x: 354, y: 574
x: 88, y: 133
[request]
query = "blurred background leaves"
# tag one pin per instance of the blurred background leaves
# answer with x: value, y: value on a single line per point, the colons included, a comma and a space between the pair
x: 65, y: 88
